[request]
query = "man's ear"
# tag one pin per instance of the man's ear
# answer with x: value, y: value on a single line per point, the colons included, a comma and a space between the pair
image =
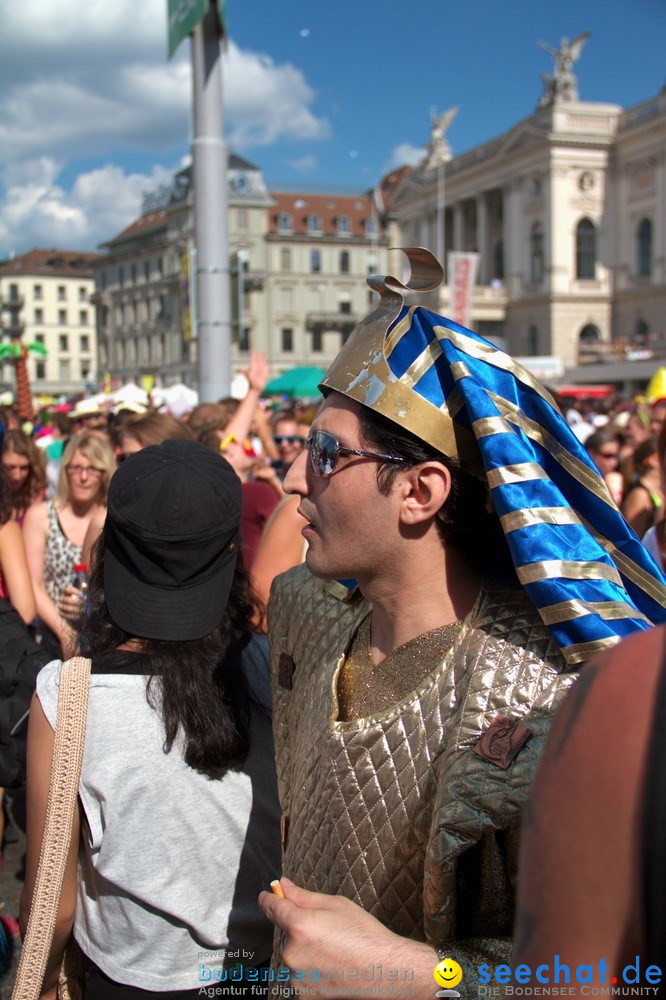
x: 424, y: 489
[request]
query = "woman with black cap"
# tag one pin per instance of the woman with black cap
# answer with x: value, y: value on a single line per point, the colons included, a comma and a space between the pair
x: 177, y: 828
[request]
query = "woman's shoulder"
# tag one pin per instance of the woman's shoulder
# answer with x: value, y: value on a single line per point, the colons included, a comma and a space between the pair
x: 47, y: 688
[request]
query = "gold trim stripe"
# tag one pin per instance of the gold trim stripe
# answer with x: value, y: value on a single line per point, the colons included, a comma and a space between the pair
x: 487, y: 426
x: 398, y: 332
x: 493, y: 356
x: 454, y: 403
x: 565, y: 611
x: 520, y: 473
x: 550, y: 569
x: 642, y: 578
x: 459, y: 370
x: 580, y: 651
x: 422, y: 364
x: 530, y: 516
x: 591, y: 480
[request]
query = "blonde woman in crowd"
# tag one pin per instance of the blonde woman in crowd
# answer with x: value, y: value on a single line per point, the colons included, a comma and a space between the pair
x: 55, y: 529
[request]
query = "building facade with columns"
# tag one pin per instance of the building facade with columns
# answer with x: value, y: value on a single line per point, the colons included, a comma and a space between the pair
x: 297, y: 266
x: 567, y: 212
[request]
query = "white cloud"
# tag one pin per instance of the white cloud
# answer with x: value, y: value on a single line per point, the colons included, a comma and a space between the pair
x: 405, y: 154
x: 304, y: 165
x: 99, y: 204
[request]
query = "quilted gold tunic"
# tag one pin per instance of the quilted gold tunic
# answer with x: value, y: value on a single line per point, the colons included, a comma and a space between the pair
x: 396, y: 811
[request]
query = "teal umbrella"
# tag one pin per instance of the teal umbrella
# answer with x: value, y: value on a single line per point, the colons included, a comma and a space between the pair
x: 297, y: 382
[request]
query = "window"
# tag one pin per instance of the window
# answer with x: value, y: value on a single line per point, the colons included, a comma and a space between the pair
x: 371, y: 226
x: 644, y: 248
x: 343, y: 225
x: 146, y: 269
x: 39, y: 315
x: 285, y: 259
x: 83, y: 317
x: 62, y: 317
x: 84, y: 341
x: 586, y: 250
x: 160, y: 265
x: 62, y: 293
x: 37, y: 292
x: 39, y: 338
x: 344, y: 262
x: 317, y: 340
x: 498, y: 260
x: 533, y: 341
x: 121, y: 276
x: 314, y: 223
x: 315, y: 260
x: 536, y: 253
x: 63, y: 370
x: 13, y: 293
x: 345, y: 307
x: 40, y: 370
x: 133, y: 273
x: 287, y: 339
x: 85, y: 369
x: 63, y: 342
x: 244, y: 339
x: 241, y: 218
x: 83, y: 293
x: 284, y: 222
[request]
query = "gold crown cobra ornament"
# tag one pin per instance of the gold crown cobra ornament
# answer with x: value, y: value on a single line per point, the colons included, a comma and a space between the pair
x: 463, y: 396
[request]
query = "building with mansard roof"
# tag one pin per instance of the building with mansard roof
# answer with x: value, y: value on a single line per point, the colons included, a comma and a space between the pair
x: 298, y: 264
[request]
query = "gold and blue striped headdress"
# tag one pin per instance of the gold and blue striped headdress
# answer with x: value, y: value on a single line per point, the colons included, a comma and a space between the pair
x: 587, y: 573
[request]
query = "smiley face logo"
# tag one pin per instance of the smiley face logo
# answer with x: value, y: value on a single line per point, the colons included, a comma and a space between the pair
x: 448, y: 973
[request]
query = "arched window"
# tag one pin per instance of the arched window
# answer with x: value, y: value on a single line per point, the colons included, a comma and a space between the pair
x: 644, y: 248
x: 589, y: 343
x: 536, y: 253
x: 586, y: 250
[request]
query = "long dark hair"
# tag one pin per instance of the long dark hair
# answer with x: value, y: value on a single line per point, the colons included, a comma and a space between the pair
x: 464, y: 521
x: 199, y: 687
x: 35, y: 482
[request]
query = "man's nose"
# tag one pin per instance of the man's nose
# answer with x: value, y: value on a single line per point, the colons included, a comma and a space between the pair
x: 295, y: 480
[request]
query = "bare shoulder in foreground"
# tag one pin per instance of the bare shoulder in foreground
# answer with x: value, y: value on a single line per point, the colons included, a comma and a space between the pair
x: 586, y: 871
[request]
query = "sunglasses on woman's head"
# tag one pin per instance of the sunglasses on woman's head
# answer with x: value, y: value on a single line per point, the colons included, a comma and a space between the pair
x: 325, y: 451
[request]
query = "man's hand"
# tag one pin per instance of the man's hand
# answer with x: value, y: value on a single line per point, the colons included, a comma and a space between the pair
x: 333, y: 935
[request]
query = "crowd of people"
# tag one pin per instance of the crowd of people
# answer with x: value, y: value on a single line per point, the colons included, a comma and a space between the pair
x: 451, y: 547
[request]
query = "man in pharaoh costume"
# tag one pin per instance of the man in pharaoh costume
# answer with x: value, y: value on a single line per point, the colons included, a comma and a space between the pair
x: 483, y: 561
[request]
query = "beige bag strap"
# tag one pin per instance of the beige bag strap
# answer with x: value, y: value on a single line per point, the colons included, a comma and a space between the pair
x: 63, y: 791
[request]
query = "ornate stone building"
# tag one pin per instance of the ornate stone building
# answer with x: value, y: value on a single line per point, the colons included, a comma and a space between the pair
x: 567, y: 212
x: 298, y: 263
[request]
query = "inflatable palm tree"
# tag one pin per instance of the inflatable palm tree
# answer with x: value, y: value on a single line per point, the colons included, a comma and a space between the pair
x: 17, y: 352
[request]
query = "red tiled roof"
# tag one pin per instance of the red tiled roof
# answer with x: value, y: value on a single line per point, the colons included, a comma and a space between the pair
x: 329, y: 207
x: 58, y: 263
x: 149, y: 220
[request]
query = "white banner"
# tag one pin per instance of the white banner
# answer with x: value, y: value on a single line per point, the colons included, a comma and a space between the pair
x: 463, y: 267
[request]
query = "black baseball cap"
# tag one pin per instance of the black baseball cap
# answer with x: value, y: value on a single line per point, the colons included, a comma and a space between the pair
x: 171, y: 540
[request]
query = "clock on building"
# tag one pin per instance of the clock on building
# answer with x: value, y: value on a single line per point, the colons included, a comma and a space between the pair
x: 240, y: 183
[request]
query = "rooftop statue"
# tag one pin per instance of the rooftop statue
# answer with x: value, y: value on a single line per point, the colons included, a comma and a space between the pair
x: 561, y: 85
x: 439, y: 151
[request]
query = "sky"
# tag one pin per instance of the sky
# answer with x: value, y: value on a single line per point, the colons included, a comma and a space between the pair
x: 319, y: 94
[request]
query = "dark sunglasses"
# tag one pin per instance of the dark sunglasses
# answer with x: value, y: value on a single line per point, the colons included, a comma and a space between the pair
x: 288, y: 439
x: 325, y: 450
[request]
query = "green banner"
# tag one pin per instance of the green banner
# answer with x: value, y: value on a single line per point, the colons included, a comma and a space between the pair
x: 184, y: 15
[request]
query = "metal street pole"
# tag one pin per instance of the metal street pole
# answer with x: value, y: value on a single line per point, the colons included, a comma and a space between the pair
x: 209, y: 179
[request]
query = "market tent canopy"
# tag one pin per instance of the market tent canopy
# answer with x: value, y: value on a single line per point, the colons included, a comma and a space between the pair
x: 300, y: 383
